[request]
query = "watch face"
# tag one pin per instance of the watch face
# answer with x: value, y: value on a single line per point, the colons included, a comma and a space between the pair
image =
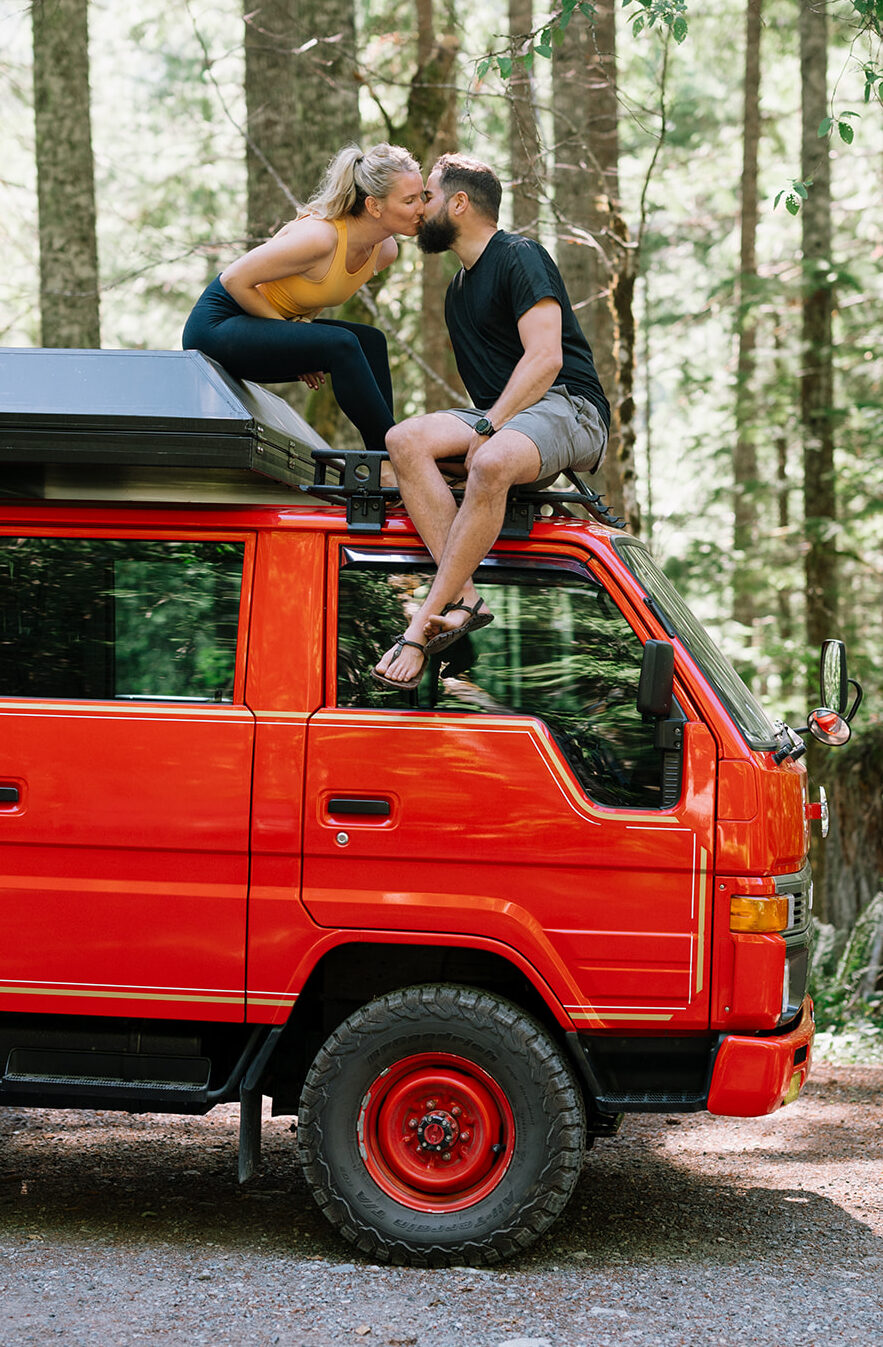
x: 483, y: 426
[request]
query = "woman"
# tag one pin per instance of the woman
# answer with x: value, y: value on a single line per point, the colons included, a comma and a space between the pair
x: 259, y: 317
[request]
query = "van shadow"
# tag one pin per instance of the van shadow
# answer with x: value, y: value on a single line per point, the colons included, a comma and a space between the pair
x: 149, y: 1180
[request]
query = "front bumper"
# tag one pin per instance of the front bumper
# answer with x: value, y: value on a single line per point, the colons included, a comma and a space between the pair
x: 754, y: 1076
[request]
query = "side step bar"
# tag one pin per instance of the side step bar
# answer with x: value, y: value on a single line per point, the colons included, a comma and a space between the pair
x: 113, y: 1078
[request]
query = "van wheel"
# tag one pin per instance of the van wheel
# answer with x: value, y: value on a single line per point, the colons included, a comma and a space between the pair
x: 441, y: 1125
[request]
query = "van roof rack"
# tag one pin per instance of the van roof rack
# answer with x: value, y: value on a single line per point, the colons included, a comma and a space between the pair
x: 174, y: 425
x: 367, y: 500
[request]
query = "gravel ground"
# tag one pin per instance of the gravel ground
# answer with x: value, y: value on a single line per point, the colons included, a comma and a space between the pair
x: 683, y: 1230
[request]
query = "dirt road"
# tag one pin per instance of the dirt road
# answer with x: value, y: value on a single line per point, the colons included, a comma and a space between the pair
x: 684, y: 1230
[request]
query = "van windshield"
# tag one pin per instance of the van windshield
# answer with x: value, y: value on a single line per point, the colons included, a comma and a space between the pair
x: 751, y: 718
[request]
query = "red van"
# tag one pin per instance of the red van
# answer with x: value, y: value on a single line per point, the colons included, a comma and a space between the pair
x: 458, y: 932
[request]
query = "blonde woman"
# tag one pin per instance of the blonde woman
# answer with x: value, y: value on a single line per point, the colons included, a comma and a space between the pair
x: 259, y: 318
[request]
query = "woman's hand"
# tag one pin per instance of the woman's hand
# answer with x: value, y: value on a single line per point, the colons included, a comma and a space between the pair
x: 311, y: 380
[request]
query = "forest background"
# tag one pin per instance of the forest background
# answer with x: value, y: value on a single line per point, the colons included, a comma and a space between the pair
x: 709, y: 177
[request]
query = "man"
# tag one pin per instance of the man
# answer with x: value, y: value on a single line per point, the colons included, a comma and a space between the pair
x: 538, y: 404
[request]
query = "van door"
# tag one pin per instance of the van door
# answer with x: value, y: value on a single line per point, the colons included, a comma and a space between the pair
x: 519, y: 797
x: 125, y: 774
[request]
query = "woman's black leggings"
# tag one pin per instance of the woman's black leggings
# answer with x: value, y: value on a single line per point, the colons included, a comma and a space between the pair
x: 268, y: 351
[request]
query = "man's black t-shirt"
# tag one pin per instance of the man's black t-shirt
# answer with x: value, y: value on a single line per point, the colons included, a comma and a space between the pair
x: 483, y: 305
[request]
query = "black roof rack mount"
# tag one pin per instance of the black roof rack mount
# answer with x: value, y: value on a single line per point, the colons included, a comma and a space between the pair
x: 367, y: 500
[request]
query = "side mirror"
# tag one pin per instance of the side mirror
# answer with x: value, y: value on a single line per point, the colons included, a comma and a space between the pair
x: 833, y: 678
x: 828, y: 727
x: 656, y: 684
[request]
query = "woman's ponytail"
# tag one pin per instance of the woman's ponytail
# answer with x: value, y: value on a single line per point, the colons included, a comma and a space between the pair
x: 354, y: 175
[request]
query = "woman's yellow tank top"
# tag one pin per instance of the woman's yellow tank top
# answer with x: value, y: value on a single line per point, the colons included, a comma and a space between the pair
x: 297, y: 297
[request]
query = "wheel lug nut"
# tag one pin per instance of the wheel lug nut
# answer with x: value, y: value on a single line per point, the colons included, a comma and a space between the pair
x: 412, y: 1122
x: 456, y: 1110
x: 465, y: 1136
x: 446, y: 1155
x: 430, y: 1103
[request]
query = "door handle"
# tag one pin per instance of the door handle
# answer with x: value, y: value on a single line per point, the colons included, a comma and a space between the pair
x: 350, y: 804
x: 9, y: 795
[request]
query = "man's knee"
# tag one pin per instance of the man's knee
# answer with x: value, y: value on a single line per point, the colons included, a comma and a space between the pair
x: 403, y: 437
x: 492, y: 470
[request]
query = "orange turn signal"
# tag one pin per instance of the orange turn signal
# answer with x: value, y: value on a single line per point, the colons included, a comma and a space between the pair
x: 758, y: 914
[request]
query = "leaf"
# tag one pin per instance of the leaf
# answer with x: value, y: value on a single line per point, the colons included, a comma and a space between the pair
x: 504, y: 65
x: 679, y: 28
x: 792, y: 204
x: 800, y: 189
x: 482, y: 69
x: 544, y: 50
x: 825, y: 126
x: 638, y: 26
x: 779, y: 196
x: 847, y: 134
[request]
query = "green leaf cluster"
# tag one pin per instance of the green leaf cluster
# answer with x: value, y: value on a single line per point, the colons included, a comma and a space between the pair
x: 671, y: 13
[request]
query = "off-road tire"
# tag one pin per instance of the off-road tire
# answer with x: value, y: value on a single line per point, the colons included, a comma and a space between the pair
x: 538, y: 1106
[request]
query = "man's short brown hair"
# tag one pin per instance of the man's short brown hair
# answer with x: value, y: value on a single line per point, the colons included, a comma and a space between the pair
x: 461, y: 173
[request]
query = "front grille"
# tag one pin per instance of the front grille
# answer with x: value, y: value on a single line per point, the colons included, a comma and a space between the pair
x: 798, y: 890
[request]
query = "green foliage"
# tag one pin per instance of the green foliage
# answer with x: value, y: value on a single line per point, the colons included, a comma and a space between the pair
x: 672, y: 14
x: 847, y: 980
x: 798, y: 191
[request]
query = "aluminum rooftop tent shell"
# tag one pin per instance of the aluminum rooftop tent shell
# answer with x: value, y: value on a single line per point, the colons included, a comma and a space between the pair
x: 157, y: 409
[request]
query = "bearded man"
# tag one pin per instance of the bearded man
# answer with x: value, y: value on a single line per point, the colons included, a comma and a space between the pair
x: 538, y: 406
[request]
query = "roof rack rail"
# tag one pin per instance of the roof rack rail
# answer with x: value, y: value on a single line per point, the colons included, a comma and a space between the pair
x: 367, y: 500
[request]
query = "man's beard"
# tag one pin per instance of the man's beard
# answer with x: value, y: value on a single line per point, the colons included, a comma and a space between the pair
x: 438, y: 234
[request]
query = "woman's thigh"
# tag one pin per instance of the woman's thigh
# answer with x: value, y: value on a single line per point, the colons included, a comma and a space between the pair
x: 272, y: 351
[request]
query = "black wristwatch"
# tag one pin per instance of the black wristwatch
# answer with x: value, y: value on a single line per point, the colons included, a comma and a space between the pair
x: 484, y: 427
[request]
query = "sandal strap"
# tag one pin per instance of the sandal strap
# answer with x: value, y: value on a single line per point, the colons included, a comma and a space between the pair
x: 401, y: 642
x: 452, y: 607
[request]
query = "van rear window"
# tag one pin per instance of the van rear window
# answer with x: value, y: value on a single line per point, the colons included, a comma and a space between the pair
x: 102, y: 618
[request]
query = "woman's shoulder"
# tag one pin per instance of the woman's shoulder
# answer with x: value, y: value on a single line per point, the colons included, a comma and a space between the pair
x: 311, y: 232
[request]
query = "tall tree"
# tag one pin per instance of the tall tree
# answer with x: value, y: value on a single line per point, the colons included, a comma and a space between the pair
x: 592, y: 236
x: 302, y: 101
x: 69, y: 305
x: 745, y: 472
x: 434, y: 97
x: 817, y: 383
x: 816, y: 378
x: 525, y: 150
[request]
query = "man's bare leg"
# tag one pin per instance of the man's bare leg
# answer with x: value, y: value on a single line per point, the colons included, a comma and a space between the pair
x: 506, y: 460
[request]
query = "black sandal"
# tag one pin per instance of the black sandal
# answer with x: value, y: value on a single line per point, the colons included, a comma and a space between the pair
x: 398, y: 647
x: 474, y: 621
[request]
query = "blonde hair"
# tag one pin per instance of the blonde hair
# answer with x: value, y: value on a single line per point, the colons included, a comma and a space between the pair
x: 354, y: 175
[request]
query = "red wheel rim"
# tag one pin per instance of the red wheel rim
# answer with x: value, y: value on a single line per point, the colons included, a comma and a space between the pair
x: 436, y: 1132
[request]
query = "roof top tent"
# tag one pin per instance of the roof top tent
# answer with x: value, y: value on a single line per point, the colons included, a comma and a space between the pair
x: 151, y: 424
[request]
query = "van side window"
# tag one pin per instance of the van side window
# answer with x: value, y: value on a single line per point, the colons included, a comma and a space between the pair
x: 558, y: 649
x: 106, y: 618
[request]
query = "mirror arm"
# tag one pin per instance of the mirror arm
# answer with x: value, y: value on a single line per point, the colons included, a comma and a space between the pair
x: 859, y: 694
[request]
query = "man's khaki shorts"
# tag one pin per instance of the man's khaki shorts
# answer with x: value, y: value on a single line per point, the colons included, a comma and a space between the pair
x: 566, y: 429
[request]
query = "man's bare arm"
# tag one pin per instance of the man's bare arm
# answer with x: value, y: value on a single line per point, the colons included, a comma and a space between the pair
x: 536, y: 371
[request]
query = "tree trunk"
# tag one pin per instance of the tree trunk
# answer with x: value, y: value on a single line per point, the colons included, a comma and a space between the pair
x: 432, y: 117
x: 816, y: 380
x: 65, y: 175
x: 302, y: 101
x: 592, y: 239
x: 854, y: 847
x: 525, y: 151
x: 745, y: 471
